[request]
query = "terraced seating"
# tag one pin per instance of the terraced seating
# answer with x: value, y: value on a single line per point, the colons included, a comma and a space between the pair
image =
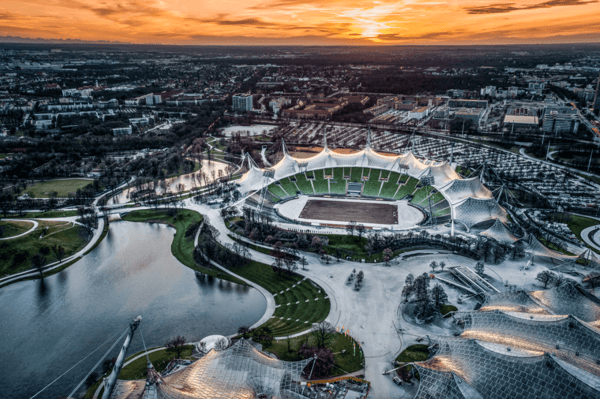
x: 288, y: 186
x: 277, y: 191
x: 437, y: 197
x: 440, y: 205
x: 328, y: 171
x: 407, y: 188
x: 320, y: 183
x: 385, y: 174
x: 442, y: 212
x: 271, y: 198
x: 303, y: 184
x: 391, y: 186
x: 356, y: 174
x: 420, y: 195
x: 339, y: 187
x: 303, y: 311
x: 372, y: 185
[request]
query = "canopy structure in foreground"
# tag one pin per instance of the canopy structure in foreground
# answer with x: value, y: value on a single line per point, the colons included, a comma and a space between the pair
x: 239, y: 372
x: 518, y: 345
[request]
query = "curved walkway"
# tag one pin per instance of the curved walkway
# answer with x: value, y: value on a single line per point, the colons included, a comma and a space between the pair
x: 35, y: 225
x: 593, y: 242
x: 52, y: 266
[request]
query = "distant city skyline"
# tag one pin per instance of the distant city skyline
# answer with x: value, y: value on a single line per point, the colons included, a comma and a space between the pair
x: 307, y: 22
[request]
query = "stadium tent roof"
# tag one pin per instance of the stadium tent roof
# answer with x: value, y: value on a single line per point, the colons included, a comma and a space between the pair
x: 459, y: 190
x: 252, y: 180
x: 476, y: 210
x: 237, y: 372
x: 471, y: 202
x: 567, y: 299
x: 443, y: 174
x: 496, y: 373
x: 288, y: 166
x: 500, y: 233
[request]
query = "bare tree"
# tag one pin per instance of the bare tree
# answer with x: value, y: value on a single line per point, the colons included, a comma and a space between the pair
x: 38, y: 261
x: 442, y: 265
x: 303, y: 262
x: 290, y: 265
x: 59, y: 252
x: 545, y: 277
x: 350, y: 227
x: 176, y: 344
x: 222, y: 344
x: 360, y: 230
x: 243, y: 331
x: 323, y: 332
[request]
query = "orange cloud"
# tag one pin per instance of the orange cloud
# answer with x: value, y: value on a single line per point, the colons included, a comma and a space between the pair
x: 304, y: 21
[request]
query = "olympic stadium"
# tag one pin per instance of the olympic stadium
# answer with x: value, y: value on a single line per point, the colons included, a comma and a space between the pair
x: 379, y: 190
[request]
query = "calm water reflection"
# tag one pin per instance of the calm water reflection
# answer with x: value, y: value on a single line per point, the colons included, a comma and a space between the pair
x: 46, y: 327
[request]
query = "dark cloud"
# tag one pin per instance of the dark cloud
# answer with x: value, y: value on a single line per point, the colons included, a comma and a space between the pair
x: 6, y: 16
x: 426, y: 36
x: 500, y: 8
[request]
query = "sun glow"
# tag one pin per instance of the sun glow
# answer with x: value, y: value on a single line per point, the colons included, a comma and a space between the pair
x: 303, y: 22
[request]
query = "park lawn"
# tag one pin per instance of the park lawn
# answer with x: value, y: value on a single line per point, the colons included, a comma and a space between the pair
x: 45, y: 215
x: 12, y: 229
x: 137, y: 369
x: 301, y: 315
x: 348, y: 362
x: 414, y: 353
x: 72, y: 239
x: 182, y: 247
x: 554, y: 247
x: 347, y: 242
x: 445, y: 309
x: 62, y: 187
x: 578, y: 223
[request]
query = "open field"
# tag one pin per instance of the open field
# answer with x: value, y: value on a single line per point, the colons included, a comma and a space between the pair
x: 15, y: 255
x: 62, y: 187
x: 343, y: 211
x: 12, y: 229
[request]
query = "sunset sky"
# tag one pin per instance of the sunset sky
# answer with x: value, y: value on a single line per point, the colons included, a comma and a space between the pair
x: 326, y: 22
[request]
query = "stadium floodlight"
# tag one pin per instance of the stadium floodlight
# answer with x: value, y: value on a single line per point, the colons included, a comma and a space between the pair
x: 427, y: 180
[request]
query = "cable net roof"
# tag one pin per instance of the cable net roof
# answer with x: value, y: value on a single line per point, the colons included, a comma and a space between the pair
x: 439, y: 384
x: 567, y: 337
x: 474, y: 210
x: 496, y: 375
x: 239, y: 372
x: 518, y: 301
x: 500, y: 233
x: 567, y: 299
x: 459, y: 190
x: 538, y: 249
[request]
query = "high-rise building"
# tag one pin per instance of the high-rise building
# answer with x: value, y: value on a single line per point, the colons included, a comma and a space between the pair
x: 596, y: 103
x: 242, y: 102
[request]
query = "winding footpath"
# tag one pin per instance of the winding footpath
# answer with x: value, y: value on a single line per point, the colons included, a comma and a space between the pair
x: 35, y: 225
x: 55, y: 265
